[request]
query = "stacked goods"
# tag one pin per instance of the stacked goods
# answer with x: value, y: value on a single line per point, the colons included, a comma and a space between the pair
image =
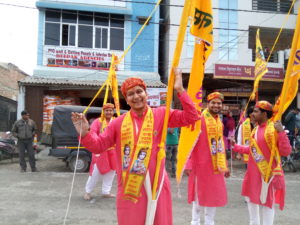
x: 49, y: 102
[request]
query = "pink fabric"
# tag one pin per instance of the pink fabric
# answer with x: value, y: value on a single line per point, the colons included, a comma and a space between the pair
x: 106, y: 161
x: 127, y: 211
x: 252, y: 180
x: 209, y: 187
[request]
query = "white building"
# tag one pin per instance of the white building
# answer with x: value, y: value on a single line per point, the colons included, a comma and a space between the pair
x: 231, y: 63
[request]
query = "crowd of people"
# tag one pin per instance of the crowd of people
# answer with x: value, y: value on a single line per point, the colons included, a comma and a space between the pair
x: 129, y: 147
x: 135, y: 137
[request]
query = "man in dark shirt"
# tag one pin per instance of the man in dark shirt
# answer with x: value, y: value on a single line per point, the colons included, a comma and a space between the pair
x: 25, y: 129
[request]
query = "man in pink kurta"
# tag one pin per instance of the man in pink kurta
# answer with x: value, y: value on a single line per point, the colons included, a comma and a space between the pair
x: 128, y: 212
x: 103, y: 165
x: 205, y: 188
x: 252, y: 183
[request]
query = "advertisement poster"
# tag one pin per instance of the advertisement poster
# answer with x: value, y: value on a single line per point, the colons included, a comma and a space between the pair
x: 79, y: 58
x: 157, y: 97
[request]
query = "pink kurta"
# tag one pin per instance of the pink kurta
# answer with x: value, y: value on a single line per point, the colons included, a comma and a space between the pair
x: 105, y: 161
x: 252, y: 180
x: 209, y: 187
x: 130, y: 213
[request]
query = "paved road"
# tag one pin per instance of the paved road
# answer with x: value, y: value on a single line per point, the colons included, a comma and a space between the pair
x: 41, y: 198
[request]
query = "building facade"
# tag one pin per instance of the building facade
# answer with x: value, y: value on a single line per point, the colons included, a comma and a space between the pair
x: 230, y: 67
x: 76, y: 39
x: 9, y: 77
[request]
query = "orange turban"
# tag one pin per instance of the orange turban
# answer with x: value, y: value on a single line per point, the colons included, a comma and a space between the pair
x: 108, y: 106
x: 130, y: 83
x: 214, y: 95
x: 264, y: 105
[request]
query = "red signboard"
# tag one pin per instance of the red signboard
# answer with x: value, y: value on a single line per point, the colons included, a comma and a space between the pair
x: 246, y: 72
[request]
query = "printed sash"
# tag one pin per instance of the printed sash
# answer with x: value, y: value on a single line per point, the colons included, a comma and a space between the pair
x: 214, y: 129
x: 257, y: 154
x: 246, y: 136
x: 135, y: 156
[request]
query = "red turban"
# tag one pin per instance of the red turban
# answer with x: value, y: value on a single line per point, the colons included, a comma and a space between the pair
x: 264, y: 105
x: 214, y: 95
x: 108, y: 106
x: 130, y: 83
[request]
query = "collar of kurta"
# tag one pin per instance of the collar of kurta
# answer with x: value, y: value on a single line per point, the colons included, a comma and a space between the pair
x: 134, y: 114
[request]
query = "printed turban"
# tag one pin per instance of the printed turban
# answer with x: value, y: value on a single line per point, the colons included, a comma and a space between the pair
x: 130, y: 83
x: 108, y: 106
x: 214, y: 95
x: 264, y: 105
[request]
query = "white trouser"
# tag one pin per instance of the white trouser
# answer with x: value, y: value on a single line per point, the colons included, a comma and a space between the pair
x: 107, y: 180
x: 267, y: 214
x: 209, y: 214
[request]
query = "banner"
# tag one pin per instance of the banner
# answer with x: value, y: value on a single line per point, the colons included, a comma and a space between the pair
x: 78, y: 58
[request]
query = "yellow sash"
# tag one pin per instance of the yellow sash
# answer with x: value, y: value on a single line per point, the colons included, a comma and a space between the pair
x: 103, y: 125
x: 257, y: 154
x: 135, y: 156
x: 214, y: 129
x: 246, y: 136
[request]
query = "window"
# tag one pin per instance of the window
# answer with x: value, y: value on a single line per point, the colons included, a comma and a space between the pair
x: 228, y: 35
x: 84, y: 29
x: 68, y: 35
x: 272, y: 5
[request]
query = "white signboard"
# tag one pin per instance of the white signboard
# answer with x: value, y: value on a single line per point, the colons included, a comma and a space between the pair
x: 79, y: 58
x: 157, y: 97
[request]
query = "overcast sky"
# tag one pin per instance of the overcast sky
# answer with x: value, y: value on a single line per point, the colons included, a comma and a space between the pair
x: 18, y: 34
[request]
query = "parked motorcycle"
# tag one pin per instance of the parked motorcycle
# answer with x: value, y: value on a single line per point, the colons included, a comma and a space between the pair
x: 8, y: 148
x: 288, y: 163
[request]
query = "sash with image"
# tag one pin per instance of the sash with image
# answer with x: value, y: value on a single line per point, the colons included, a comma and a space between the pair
x: 246, y: 136
x: 214, y: 129
x: 134, y: 169
x: 257, y: 154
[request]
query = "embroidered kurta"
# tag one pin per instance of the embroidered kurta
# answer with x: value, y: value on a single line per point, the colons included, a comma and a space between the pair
x: 127, y: 211
x: 105, y: 161
x: 252, y: 180
x: 210, y: 188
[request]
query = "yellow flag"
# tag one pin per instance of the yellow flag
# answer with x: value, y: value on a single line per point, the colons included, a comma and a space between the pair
x: 292, y: 75
x: 202, y: 29
x: 202, y: 23
x: 260, y: 65
x: 115, y: 90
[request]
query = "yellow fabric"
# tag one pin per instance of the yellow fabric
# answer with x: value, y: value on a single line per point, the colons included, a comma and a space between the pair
x: 202, y: 23
x: 189, y: 135
x: 175, y: 62
x: 290, y: 85
x: 246, y: 136
x: 134, y: 168
x: 201, y: 28
x: 260, y: 65
x: 114, y: 84
x: 214, y: 129
x: 263, y: 165
x: 103, y: 126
